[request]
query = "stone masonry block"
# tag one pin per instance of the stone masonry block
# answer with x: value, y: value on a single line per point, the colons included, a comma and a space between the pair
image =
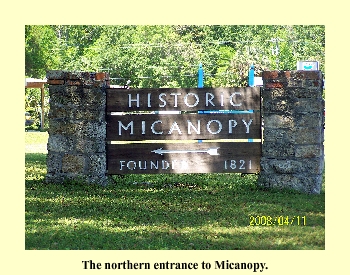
x: 91, y: 130
x: 313, y: 165
x: 307, y: 184
x: 314, y: 83
x: 65, y: 95
x: 308, y: 135
x: 279, y: 181
x: 74, y: 82
x: 275, y: 74
x: 278, y: 121
x: 275, y: 85
x: 309, y: 120
x: 292, y: 79
x: 89, y: 114
x: 96, y: 164
x: 55, y: 81
x: 54, y: 163
x: 309, y: 166
x: 291, y: 94
x: 79, y: 75
x: 278, y: 135
x: 306, y: 75
x: 56, y: 74
x: 295, y: 82
x: 307, y: 105
x: 311, y: 184
x: 90, y: 146
x: 309, y: 151
x: 305, y: 92
x: 73, y: 164
x: 292, y: 74
x: 274, y: 94
x: 74, y: 75
x: 94, y: 96
x: 101, y: 76
x: 62, y: 113
x: 282, y: 166
x: 63, y: 127
x: 73, y: 95
x: 79, y: 96
x: 56, y: 91
x: 82, y: 129
x: 60, y: 144
x: 57, y: 111
x: 282, y: 106
x: 276, y: 150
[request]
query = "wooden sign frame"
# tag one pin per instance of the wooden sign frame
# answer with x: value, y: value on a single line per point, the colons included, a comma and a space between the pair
x: 200, y: 130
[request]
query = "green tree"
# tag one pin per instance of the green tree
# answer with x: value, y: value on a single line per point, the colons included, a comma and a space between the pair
x: 40, y: 50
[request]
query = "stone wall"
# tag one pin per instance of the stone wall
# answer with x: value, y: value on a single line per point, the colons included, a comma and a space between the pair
x: 76, y: 146
x: 293, y: 133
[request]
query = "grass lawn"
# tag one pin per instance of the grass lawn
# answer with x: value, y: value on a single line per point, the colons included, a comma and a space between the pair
x: 188, y: 211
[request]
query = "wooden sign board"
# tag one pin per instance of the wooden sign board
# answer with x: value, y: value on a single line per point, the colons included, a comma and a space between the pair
x: 198, y: 136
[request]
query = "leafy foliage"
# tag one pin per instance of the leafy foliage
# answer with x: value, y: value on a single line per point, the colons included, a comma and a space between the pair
x: 168, y: 55
x: 41, y: 45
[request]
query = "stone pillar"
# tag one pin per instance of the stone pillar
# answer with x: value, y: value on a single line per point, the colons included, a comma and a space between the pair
x: 293, y: 133
x: 77, y: 127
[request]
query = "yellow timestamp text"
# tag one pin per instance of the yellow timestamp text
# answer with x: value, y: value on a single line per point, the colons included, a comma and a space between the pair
x: 278, y: 220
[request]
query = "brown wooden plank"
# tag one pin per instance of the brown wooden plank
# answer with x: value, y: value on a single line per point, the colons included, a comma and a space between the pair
x: 184, y: 126
x: 34, y: 85
x: 191, y: 99
x: 144, y: 158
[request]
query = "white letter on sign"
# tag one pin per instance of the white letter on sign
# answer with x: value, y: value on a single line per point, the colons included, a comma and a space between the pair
x: 247, y: 125
x: 130, y: 125
x: 137, y: 100
x: 174, y: 127
x: 165, y: 165
x: 143, y: 123
x: 122, y: 164
x: 191, y: 105
x: 190, y: 125
x: 131, y: 165
x: 152, y: 128
x: 149, y: 100
x: 162, y: 99
x: 175, y: 100
x: 220, y: 127
x: 230, y: 126
x: 209, y: 100
x: 233, y: 104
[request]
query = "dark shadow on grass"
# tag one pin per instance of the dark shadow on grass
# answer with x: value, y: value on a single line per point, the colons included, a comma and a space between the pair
x: 35, y: 159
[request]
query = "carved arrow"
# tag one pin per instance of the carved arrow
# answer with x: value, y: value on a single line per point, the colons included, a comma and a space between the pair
x: 210, y: 151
